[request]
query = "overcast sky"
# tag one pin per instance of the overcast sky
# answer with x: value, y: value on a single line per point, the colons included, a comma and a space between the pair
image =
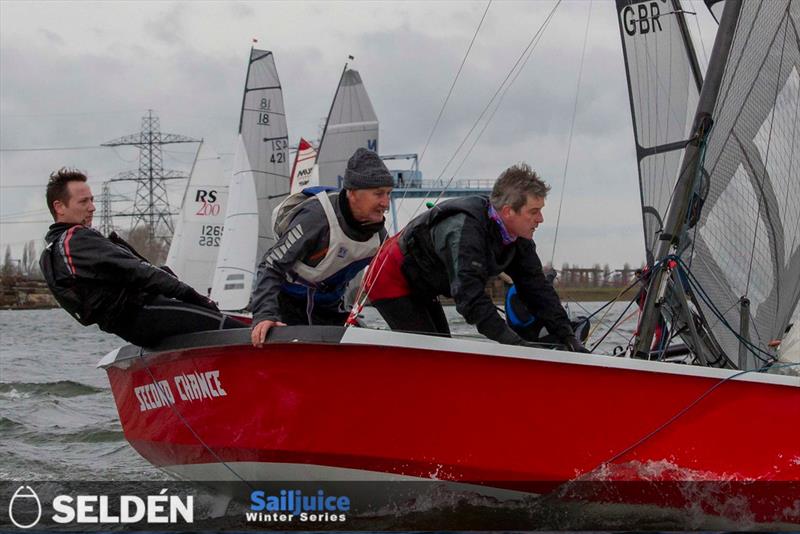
x: 76, y: 74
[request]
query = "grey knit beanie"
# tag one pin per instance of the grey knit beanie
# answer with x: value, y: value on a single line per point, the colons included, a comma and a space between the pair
x: 366, y: 170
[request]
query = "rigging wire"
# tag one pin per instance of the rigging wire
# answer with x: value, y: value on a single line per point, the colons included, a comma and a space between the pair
x: 499, y: 89
x: 613, y: 326
x: 363, y: 291
x: 499, y: 103
x: 453, y: 85
x: 571, y: 131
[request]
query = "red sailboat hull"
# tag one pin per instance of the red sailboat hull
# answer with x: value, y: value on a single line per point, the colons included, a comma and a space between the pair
x: 382, y: 403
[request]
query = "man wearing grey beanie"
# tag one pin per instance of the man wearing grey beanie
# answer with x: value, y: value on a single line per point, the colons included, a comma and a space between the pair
x: 323, y: 243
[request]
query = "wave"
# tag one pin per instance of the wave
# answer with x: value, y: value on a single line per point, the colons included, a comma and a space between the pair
x: 7, y: 424
x: 61, y: 388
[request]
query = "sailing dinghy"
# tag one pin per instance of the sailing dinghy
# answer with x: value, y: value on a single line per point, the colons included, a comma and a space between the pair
x: 351, y: 124
x: 305, y: 173
x: 195, y: 244
x: 331, y: 403
x: 260, y: 181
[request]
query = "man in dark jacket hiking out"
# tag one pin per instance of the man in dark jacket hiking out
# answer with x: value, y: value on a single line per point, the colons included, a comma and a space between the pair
x: 104, y: 281
x: 454, y: 248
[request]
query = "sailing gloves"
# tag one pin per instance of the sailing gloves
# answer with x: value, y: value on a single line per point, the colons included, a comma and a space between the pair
x: 574, y: 345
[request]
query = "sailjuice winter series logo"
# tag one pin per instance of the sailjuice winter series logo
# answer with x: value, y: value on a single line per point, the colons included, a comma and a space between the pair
x: 291, y: 505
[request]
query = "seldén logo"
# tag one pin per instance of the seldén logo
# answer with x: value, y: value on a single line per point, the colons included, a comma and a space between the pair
x: 100, y: 509
x: 20, y: 506
x: 289, y: 505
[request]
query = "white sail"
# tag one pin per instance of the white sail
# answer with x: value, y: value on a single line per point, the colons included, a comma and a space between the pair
x: 305, y: 172
x: 195, y: 243
x: 260, y: 181
x: 351, y: 124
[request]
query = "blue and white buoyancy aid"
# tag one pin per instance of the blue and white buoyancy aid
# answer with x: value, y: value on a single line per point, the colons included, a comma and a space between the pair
x: 328, y: 280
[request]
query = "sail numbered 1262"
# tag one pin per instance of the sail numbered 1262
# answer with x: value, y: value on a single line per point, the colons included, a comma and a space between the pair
x: 260, y: 181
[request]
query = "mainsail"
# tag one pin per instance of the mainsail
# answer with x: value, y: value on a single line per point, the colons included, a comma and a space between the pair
x: 351, y: 124
x: 260, y: 181
x: 747, y: 242
x: 304, y: 171
x: 733, y: 210
x: 664, y: 82
x: 195, y: 243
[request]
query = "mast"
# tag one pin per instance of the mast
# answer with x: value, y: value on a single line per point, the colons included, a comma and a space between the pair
x: 244, y: 92
x: 675, y: 224
x: 328, y: 120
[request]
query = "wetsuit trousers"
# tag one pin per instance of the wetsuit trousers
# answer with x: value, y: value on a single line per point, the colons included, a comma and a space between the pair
x: 162, y: 317
x: 414, y: 313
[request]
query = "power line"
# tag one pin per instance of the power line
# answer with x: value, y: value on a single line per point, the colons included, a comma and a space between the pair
x: 50, y: 148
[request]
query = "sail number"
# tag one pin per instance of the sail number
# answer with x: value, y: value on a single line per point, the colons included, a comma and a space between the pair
x: 279, y: 147
x: 642, y: 20
x: 210, y: 235
x: 208, y: 209
x: 263, y: 119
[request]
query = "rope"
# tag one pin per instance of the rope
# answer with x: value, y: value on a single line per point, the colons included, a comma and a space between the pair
x: 678, y: 415
x: 571, y: 131
x: 683, y: 412
x: 186, y: 423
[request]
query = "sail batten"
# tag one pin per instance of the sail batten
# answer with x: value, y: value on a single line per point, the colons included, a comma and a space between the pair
x: 664, y: 85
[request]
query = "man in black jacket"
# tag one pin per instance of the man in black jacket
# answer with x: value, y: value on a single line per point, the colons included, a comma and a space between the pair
x: 104, y: 281
x: 454, y: 248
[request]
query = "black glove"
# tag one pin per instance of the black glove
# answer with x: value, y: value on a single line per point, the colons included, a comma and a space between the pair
x: 191, y: 296
x: 574, y: 345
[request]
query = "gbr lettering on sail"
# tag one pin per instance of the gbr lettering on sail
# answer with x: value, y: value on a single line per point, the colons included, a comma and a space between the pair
x: 643, y: 18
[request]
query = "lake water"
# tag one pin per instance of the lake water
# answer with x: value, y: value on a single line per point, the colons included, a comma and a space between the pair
x: 58, y: 419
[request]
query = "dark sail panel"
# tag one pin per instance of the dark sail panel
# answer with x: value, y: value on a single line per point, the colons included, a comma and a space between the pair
x: 664, y: 84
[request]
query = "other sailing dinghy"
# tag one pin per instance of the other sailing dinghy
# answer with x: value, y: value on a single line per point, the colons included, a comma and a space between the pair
x: 330, y: 403
x: 195, y: 243
x: 304, y: 171
x: 352, y: 124
x: 260, y: 181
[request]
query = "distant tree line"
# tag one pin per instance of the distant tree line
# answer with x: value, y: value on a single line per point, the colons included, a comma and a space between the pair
x: 594, y: 276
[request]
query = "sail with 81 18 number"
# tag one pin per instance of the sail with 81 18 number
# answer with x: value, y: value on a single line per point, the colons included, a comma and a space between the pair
x: 260, y: 181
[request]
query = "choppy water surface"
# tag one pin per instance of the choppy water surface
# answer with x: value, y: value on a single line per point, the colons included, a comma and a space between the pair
x: 58, y: 419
